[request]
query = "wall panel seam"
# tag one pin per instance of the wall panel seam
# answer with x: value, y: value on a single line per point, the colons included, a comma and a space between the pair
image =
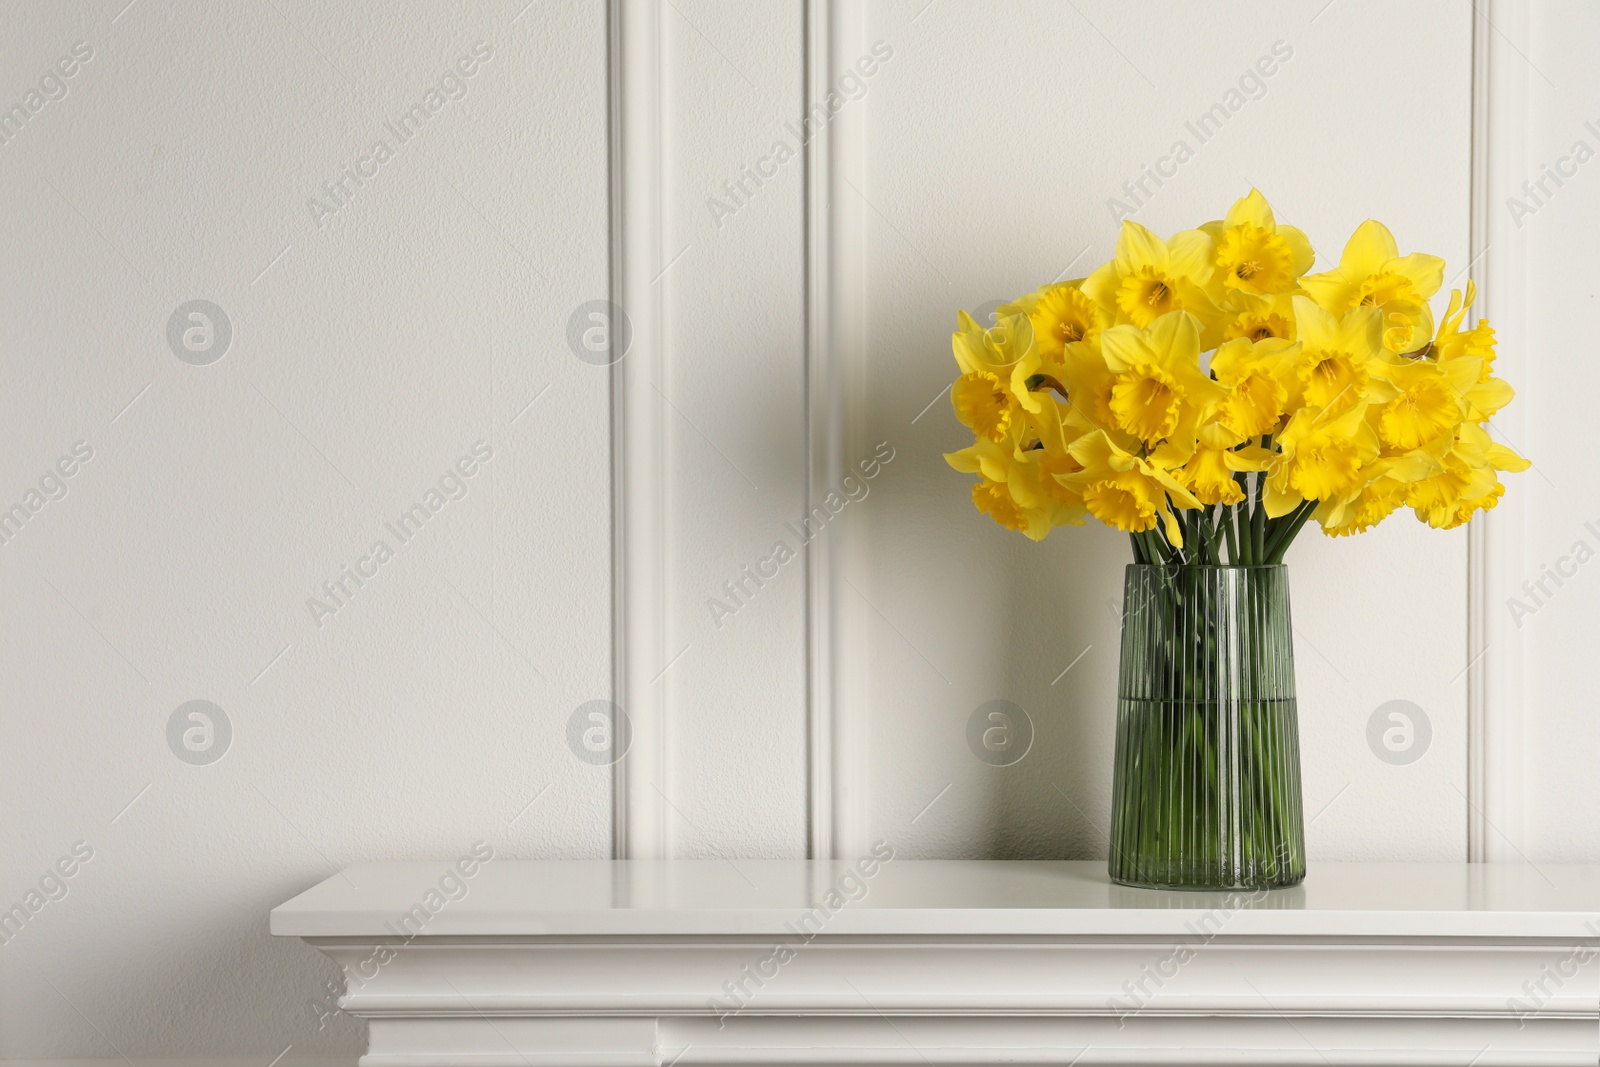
x: 1495, y: 693
x: 836, y: 294
x: 638, y: 90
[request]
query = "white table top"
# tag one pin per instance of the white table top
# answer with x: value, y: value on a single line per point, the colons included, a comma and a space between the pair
x: 518, y: 898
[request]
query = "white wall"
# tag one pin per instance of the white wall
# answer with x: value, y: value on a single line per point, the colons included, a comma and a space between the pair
x: 974, y: 165
x: 734, y: 388
x: 433, y: 307
x: 1561, y: 815
x: 998, y: 134
x: 422, y: 318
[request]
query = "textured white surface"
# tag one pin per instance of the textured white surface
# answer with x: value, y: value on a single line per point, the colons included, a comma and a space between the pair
x: 945, y: 898
x: 431, y: 309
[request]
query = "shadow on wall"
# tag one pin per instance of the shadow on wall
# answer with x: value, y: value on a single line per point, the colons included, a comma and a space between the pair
x: 1025, y: 630
x: 1063, y: 598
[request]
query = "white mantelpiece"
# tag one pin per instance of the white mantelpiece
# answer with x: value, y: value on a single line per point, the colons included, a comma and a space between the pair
x: 717, y: 962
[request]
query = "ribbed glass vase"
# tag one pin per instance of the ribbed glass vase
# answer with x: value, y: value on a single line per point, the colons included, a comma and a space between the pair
x: 1207, y: 783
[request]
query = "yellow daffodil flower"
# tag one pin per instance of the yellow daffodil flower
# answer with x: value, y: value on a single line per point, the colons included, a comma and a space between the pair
x: 1449, y: 497
x: 994, y: 500
x: 1258, y: 377
x: 1373, y: 273
x: 1469, y: 482
x: 995, y: 366
x: 1158, y: 393
x: 1256, y: 318
x: 1125, y: 491
x: 1406, y: 327
x: 1040, y: 479
x: 1061, y: 315
x: 1389, y: 480
x: 1337, y: 356
x: 993, y: 462
x: 1088, y: 383
x: 988, y: 458
x: 1456, y: 350
x: 1475, y: 446
x: 1018, y: 487
x: 1255, y: 255
x: 1320, y: 456
x: 1363, y: 509
x: 1150, y: 277
x: 1454, y: 343
x: 1209, y: 476
x: 1430, y: 403
x: 983, y: 403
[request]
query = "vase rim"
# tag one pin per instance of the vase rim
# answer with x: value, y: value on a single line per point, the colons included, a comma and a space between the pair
x: 1209, y: 566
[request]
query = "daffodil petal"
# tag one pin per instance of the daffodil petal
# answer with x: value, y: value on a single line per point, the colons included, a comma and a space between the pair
x: 1252, y: 210
x: 1369, y: 248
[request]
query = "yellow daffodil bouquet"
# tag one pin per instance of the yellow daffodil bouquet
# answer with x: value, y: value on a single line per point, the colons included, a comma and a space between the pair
x: 1208, y: 396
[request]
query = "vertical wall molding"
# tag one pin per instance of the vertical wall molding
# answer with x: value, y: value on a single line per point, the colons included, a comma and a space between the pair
x: 640, y: 544
x: 823, y: 454
x: 836, y: 265
x: 1495, y: 694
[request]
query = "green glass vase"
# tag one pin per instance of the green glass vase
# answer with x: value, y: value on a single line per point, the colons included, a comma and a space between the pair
x: 1207, y: 784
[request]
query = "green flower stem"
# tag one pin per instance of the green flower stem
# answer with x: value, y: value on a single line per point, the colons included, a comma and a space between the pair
x: 1285, y: 535
x: 1155, y: 547
x: 1258, y: 524
x: 1251, y: 538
